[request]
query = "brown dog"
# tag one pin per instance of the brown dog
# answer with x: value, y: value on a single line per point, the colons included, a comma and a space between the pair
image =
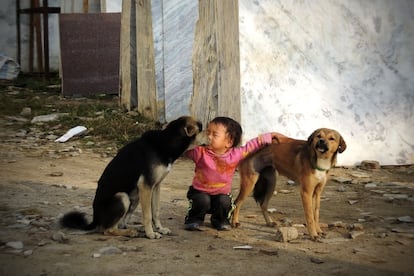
x: 306, y: 162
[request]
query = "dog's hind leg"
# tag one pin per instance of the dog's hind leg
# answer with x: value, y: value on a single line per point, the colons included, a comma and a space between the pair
x: 115, y: 212
x: 134, y: 200
x: 263, y: 191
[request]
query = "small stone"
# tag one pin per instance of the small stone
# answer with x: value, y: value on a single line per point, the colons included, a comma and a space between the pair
x: 26, y: 111
x: 341, y: 188
x: 28, y: 252
x: 356, y: 226
x: 395, y: 196
x: 370, y: 165
x: 59, y: 237
x: 285, y: 234
x: 355, y: 234
x: 110, y: 250
x: 15, y: 244
x: 338, y: 224
x: 381, y: 235
x: 406, y: 219
x: 370, y: 185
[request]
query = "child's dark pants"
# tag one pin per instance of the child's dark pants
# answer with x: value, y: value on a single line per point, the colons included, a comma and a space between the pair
x: 219, y: 206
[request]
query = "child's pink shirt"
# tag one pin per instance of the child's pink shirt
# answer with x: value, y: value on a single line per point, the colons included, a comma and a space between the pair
x: 214, y: 172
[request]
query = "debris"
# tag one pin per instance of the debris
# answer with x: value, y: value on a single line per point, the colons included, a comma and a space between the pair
x: 272, y: 210
x: 9, y: 68
x: 78, y: 130
x: 269, y: 252
x: 355, y: 234
x: 291, y: 182
x: 47, y: 118
x: 243, y: 247
x: 370, y: 165
x: 110, y: 250
x: 352, y: 202
x: 56, y: 174
x: 316, y: 260
x: 343, y: 180
x: 285, y: 234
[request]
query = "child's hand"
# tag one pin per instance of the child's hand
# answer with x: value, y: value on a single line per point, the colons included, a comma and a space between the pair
x: 278, y: 138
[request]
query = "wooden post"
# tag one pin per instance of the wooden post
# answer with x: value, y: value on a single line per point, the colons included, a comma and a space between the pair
x: 216, y: 61
x: 128, y: 76
x: 137, y: 70
x: 146, y: 85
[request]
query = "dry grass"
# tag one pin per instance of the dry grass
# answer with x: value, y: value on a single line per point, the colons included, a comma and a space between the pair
x: 106, y: 121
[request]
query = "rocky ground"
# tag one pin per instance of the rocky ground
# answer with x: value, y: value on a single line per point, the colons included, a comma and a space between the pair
x: 367, y: 214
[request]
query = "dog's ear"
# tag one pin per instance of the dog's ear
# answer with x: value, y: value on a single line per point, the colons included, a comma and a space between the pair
x: 190, y: 130
x: 342, y: 144
x: 312, y: 136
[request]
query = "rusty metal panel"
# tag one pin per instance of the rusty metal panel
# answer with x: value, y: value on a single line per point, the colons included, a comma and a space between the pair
x: 90, y: 53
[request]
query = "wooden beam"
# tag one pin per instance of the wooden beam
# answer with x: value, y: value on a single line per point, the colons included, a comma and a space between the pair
x: 146, y: 85
x: 216, y: 61
x: 128, y: 75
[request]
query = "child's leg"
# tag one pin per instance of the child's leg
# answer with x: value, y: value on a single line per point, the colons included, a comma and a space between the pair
x: 221, y: 206
x: 199, y: 204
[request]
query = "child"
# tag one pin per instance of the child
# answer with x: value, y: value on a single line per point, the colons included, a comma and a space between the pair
x: 215, y: 165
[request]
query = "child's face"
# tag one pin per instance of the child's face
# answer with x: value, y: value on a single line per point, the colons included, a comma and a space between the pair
x: 219, y: 139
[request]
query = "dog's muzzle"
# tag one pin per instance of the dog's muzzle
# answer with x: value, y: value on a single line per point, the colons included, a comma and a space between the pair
x: 322, y: 146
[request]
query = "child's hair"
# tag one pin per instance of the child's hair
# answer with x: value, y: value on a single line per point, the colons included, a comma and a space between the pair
x: 234, y: 129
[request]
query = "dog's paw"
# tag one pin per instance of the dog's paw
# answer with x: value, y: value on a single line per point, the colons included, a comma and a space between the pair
x: 271, y: 224
x: 164, y: 230
x: 235, y: 224
x: 153, y: 235
x: 316, y: 238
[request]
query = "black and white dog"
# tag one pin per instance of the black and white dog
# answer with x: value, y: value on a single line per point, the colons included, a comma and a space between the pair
x: 134, y: 175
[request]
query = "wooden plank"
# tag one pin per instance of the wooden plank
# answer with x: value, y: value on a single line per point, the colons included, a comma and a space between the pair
x: 216, y: 61
x: 146, y: 85
x: 90, y: 53
x: 229, y: 103
x: 128, y: 77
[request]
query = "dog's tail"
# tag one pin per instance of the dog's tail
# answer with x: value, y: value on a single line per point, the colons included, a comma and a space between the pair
x: 76, y: 220
x: 265, y: 185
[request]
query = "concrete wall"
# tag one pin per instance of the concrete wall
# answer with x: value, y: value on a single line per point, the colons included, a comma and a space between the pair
x: 341, y: 64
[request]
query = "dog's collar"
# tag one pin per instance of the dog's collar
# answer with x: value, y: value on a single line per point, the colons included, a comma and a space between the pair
x: 316, y: 167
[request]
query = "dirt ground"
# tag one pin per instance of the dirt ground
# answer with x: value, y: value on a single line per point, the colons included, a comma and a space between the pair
x: 367, y: 216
